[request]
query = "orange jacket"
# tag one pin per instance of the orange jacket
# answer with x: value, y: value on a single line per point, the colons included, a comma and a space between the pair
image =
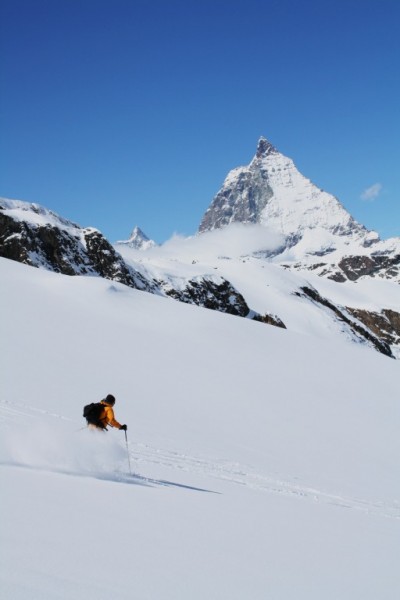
x: 107, y: 417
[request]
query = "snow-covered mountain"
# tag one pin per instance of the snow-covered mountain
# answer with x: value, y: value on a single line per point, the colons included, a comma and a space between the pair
x: 272, y: 192
x: 138, y: 240
x: 319, y: 234
x: 228, y: 270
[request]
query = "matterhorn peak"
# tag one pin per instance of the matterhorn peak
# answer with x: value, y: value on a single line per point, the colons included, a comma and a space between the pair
x: 271, y: 191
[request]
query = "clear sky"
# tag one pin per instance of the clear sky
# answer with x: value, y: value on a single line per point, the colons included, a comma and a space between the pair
x: 116, y: 113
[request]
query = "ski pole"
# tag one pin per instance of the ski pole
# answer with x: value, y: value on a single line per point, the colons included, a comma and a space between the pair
x: 127, y: 450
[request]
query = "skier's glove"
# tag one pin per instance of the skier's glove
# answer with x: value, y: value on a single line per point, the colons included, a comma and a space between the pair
x: 124, y: 427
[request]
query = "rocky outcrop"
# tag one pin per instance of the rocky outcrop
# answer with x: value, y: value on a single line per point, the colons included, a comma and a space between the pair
x: 360, y: 332
x: 382, y: 265
x: 110, y: 265
x: 375, y: 265
x: 48, y: 241
x: 215, y: 293
x: 41, y: 246
x: 385, y: 325
x: 270, y: 320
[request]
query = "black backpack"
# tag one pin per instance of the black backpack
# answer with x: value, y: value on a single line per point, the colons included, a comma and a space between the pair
x: 92, y: 413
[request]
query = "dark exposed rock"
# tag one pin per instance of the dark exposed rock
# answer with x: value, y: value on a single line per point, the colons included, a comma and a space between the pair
x: 270, y: 320
x: 355, y: 267
x: 385, y: 325
x: 15, y: 241
x: 109, y: 264
x: 336, y: 276
x: 216, y: 294
x: 264, y: 147
x: 253, y: 192
x: 379, y: 344
x: 45, y: 246
x: 219, y: 295
x: 70, y: 251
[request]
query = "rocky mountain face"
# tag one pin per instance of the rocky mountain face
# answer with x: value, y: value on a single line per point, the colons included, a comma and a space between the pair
x: 215, y: 293
x: 272, y: 192
x: 372, y: 333
x: 38, y: 237
x: 320, y: 235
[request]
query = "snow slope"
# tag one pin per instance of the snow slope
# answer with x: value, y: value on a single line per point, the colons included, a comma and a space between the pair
x: 266, y: 460
x: 237, y: 253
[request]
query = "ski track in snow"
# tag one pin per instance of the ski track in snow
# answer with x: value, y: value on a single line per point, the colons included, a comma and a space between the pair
x: 142, y: 454
x: 246, y: 476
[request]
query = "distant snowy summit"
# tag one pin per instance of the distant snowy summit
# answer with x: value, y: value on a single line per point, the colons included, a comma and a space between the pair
x: 138, y: 240
x: 318, y: 231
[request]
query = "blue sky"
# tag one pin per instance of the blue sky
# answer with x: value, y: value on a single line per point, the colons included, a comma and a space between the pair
x: 116, y: 113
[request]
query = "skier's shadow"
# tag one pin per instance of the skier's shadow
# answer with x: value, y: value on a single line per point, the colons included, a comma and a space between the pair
x: 133, y: 479
x: 149, y: 482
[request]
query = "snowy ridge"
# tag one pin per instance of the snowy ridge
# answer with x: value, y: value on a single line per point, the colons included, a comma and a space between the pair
x: 297, y: 204
x: 36, y: 236
x: 34, y: 214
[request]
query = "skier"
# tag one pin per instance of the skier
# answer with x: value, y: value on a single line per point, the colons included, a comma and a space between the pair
x: 105, y: 416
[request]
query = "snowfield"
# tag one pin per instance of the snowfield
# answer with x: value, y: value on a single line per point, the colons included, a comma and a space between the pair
x: 237, y: 253
x: 265, y: 461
